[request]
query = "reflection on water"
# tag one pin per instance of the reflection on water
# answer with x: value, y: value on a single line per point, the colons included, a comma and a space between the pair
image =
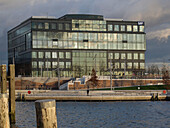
x: 100, y: 114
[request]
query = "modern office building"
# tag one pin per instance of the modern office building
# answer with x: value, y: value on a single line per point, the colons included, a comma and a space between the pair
x: 77, y: 43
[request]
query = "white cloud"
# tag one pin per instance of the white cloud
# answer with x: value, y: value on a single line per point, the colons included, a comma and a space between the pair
x: 161, y: 35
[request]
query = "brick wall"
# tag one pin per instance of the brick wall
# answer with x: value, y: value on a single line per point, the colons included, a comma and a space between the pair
x: 115, y: 83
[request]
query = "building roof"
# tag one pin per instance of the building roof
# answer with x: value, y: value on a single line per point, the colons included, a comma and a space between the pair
x: 81, y: 16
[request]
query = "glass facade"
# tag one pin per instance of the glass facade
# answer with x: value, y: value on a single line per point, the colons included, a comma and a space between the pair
x: 77, y: 46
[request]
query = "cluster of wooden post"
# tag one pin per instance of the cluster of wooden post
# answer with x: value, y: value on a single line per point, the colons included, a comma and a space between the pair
x: 6, y: 115
x: 45, y: 109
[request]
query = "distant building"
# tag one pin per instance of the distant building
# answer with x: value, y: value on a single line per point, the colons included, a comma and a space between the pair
x: 79, y: 43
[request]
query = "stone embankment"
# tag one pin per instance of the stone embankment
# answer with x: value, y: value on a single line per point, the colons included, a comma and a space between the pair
x: 121, y: 95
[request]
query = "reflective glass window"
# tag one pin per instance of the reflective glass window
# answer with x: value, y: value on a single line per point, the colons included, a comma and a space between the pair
x: 48, y: 64
x: 123, y: 56
x: 67, y: 26
x: 34, y: 54
x: 123, y: 66
x: 129, y: 65
x: 47, y: 55
x: 135, y: 56
x: 40, y: 25
x: 53, y: 26
x: 116, y: 27
x: 129, y: 56
x: 68, y: 55
x: 34, y: 64
x: 46, y: 25
x: 135, y: 28
x: 117, y: 65
x: 142, y: 65
x: 40, y: 54
x: 54, y: 64
x: 122, y: 28
x: 68, y: 64
x: 54, y: 54
x: 60, y: 26
x: 142, y: 56
x: 110, y: 55
x: 61, y: 64
x: 141, y: 28
x: 34, y: 25
x: 110, y: 27
x: 129, y: 28
x: 41, y: 64
x: 61, y: 54
x: 136, y: 66
x: 117, y: 56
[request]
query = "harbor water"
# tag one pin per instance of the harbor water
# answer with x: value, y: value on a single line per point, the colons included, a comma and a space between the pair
x: 134, y: 114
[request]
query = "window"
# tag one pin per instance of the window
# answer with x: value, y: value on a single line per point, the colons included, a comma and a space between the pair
x: 129, y: 28
x: 123, y: 56
x: 116, y: 27
x: 135, y: 56
x: 47, y: 55
x: 117, y: 65
x: 34, y: 64
x: 68, y: 55
x: 110, y: 27
x: 67, y: 26
x: 60, y: 26
x: 135, y: 65
x: 41, y: 64
x: 48, y: 64
x: 34, y: 54
x: 123, y: 66
x: 61, y: 54
x: 142, y: 65
x: 34, y: 25
x: 129, y: 65
x: 135, y: 28
x: 54, y: 64
x: 117, y: 56
x: 77, y: 25
x: 68, y: 64
x: 40, y: 55
x: 53, y: 26
x: 129, y: 56
x: 122, y: 28
x: 141, y: 28
x: 61, y: 64
x: 142, y: 56
x: 46, y: 25
x: 110, y: 55
x: 40, y: 25
x: 54, y: 54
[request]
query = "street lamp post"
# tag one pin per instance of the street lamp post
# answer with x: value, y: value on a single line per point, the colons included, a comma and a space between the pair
x: 110, y: 74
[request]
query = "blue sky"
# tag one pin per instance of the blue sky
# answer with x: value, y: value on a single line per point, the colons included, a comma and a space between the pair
x: 155, y: 13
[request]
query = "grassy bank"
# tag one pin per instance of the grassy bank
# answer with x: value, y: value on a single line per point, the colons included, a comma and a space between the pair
x: 148, y: 87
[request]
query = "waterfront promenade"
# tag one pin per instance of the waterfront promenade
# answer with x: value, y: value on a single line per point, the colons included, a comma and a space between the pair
x: 116, y: 95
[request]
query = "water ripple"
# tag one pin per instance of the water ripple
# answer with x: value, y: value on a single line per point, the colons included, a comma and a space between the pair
x: 100, y: 114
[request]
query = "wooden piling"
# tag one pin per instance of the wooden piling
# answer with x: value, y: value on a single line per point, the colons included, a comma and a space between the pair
x: 12, y: 94
x: 46, y: 113
x: 3, y: 79
x: 4, y: 114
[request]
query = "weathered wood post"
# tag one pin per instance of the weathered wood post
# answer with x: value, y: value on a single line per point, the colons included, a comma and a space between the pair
x: 46, y: 113
x: 12, y: 93
x: 4, y: 114
x: 3, y: 79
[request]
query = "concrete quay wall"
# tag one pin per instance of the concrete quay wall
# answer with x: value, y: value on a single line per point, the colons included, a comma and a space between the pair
x: 118, y: 95
x: 94, y: 98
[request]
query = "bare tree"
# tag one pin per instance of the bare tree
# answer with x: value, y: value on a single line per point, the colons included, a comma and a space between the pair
x: 93, y: 80
x: 165, y: 76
